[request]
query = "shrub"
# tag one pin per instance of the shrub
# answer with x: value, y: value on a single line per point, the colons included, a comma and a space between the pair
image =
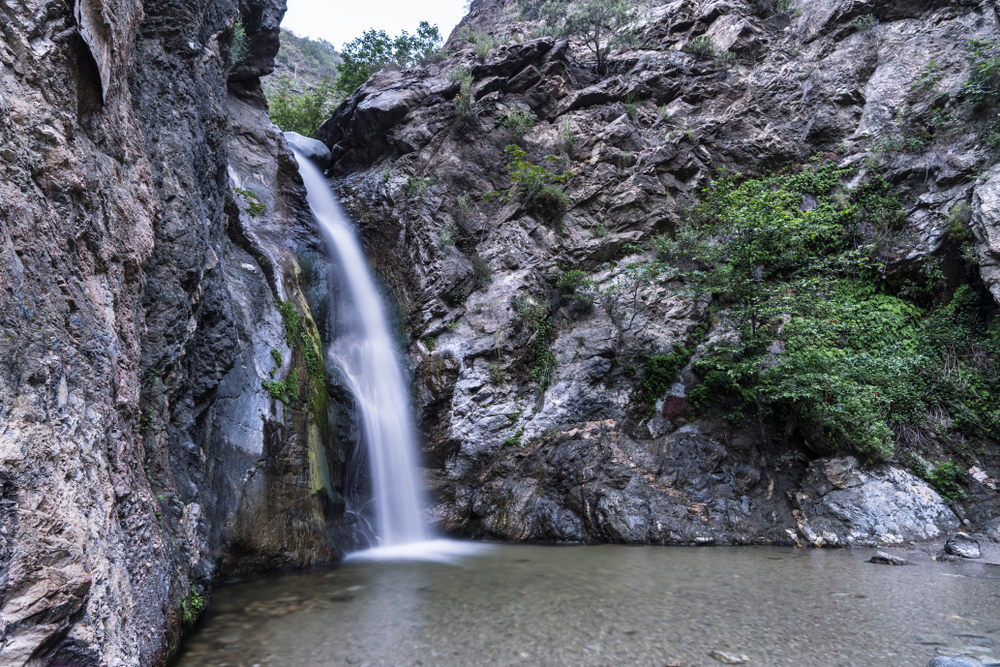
x: 482, y: 272
x: 302, y: 113
x: 446, y: 236
x: 484, y: 45
x: 465, y: 101
x: 567, y: 140
x: 725, y: 60
x: 947, y: 478
x: 518, y: 123
x: 497, y: 374
x: 866, y: 24
x: 417, y: 186
x: 239, y: 49
x: 703, y: 45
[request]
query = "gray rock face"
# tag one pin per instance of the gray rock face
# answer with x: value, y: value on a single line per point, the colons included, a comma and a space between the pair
x: 962, y: 545
x: 842, y: 504
x: 462, y: 270
x: 313, y: 149
x: 986, y: 227
x: 140, y: 456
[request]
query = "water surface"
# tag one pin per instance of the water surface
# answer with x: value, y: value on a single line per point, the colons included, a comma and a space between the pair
x: 606, y: 605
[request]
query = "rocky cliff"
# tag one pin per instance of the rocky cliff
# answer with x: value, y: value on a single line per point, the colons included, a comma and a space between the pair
x: 165, y: 420
x: 534, y: 334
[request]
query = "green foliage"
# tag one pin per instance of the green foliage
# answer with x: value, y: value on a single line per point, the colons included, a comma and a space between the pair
x: 566, y: 138
x: 599, y: 24
x: 814, y: 332
x: 514, y: 440
x: 446, y: 236
x: 482, y: 272
x: 375, y: 50
x: 535, y: 318
x: 301, y: 112
x: 417, y: 186
x: 192, y: 606
x: 276, y: 355
x: 298, y: 338
x: 239, y: 49
x: 286, y: 390
x: 661, y: 369
x: 866, y: 24
x: 632, y: 103
x: 518, y: 123
x: 959, y: 217
x: 253, y: 205
x: 534, y: 185
x: 702, y: 45
x: 948, y: 479
x: 725, y: 60
x: 497, y: 374
x: 766, y: 8
x: 484, y: 45
x: 983, y: 85
x: 929, y: 77
x: 465, y: 101
x: 148, y: 419
x: 462, y: 201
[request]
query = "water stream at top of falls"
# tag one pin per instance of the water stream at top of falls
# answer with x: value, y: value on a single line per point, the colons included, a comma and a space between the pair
x: 364, y: 352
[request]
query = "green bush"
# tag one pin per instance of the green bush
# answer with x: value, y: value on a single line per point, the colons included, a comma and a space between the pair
x: 948, y: 479
x: 302, y: 113
x: 534, y: 185
x: 856, y: 361
x: 518, y: 123
x: 702, y: 45
x: 239, y: 49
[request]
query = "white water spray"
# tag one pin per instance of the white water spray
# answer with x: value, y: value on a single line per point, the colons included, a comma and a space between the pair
x: 365, y: 354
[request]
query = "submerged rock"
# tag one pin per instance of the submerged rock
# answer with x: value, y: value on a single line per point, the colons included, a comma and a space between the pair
x: 883, y: 558
x: 730, y: 658
x: 948, y: 661
x: 962, y: 545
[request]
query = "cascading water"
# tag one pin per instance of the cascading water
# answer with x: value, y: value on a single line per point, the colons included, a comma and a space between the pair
x: 365, y: 354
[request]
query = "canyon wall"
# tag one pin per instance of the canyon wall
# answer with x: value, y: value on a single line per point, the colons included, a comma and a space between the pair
x: 153, y: 230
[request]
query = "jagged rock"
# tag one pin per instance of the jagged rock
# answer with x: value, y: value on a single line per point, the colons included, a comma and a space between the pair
x: 962, y: 545
x: 986, y: 227
x: 882, y: 558
x: 841, y: 503
x: 313, y: 149
x: 140, y: 457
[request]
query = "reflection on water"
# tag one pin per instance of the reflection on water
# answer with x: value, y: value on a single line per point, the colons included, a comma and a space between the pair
x: 606, y: 605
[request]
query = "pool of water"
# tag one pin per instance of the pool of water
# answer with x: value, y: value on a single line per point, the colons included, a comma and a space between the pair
x: 605, y: 605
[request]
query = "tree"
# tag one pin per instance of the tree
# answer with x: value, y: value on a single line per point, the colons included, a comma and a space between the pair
x: 303, y: 113
x: 597, y: 22
x: 375, y: 50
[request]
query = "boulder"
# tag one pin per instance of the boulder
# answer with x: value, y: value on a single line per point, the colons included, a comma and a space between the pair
x: 313, y: 149
x: 842, y: 503
x: 962, y: 545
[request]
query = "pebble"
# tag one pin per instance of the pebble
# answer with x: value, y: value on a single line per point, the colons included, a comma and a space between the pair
x: 730, y: 658
x: 962, y: 545
x: 882, y: 558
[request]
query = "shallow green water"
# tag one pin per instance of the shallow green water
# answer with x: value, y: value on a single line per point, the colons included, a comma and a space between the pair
x: 606, y: 605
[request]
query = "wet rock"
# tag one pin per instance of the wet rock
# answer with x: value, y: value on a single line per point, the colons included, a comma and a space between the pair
x: 313, y: 149
x: 883, y: 558
x: 950, y: 661
x: 962, y: 545
x: 730, y: 658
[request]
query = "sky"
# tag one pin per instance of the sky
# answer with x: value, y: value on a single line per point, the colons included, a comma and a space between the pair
x: 338, y: 21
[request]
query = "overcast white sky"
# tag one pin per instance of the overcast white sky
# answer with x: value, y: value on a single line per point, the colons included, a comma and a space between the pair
x: 338, y: 21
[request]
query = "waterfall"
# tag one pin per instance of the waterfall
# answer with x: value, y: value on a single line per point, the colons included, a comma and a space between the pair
x: 365, y: 354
